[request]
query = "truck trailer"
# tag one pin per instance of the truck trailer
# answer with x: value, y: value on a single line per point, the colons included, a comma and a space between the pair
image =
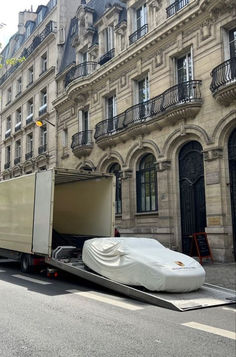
x: 47, y: 216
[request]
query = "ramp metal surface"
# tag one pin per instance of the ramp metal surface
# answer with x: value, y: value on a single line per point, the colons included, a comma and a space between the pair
x: 207, y: 296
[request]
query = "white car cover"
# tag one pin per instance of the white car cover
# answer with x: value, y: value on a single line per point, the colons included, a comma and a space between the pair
x: 143, y: 262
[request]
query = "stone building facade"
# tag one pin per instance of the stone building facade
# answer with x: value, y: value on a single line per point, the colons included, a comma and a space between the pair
x: 147, y: 90
x: 28, y: 88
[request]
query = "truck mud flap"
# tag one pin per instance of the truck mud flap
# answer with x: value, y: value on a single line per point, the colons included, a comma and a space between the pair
x: 207, y: 296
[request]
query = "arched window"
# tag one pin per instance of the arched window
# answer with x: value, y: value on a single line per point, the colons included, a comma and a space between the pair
x: 146, y: 185
x: 115, y: 169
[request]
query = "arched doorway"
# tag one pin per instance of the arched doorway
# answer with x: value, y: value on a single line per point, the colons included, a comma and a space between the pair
x: 192, y: 192
x: 232, y: 175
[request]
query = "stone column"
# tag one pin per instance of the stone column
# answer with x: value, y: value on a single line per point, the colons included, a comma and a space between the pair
x: 217, y: 231
x: 127, y: 198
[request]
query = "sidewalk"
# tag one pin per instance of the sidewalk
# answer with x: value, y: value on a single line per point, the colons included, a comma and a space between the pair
x: 221, y: 274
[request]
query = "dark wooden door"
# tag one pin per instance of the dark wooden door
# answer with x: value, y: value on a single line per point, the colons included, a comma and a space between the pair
x: 192, y: 192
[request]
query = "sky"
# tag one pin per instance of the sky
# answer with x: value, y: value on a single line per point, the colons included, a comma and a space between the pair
x: 9, y: 10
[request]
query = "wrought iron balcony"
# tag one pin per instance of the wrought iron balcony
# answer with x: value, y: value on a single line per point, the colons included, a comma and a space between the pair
x: 223, y: 84
x: 138, y: 34
x: 180, y: 101
x: 175, y: 7
x: 42, y: 149
x: 27, y: 51
x: 82, y: 143
x: 28, y: 155
x: 29, y: 119
x: 81, y: 70
x: 7, y: 165
x: 107, y: 57
x: 17, y: 160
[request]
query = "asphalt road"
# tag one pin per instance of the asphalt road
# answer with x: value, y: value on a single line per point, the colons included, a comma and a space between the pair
x: 40, y: 317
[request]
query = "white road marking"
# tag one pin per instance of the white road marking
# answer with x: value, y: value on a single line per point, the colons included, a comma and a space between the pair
x: 2, y: 271
x: 229, y: 309
x: 211, y: 329
x: 37, y: 281
x: 106, y: 300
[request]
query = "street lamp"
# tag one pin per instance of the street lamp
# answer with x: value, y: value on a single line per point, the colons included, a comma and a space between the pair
x: 39, y: 123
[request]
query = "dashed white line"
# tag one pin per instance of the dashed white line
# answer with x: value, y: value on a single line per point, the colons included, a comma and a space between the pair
x: 228, y: 309
x: 2, y: 271
x: 107, y: 300
x: 211, y: 329
x: 32, y: 280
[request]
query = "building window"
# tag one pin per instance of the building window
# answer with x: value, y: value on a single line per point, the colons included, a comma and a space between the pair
x: 18, y: 150
x: 18, y: 120
x: 8, y: 156
x: 116, y: 170
x: 111, y: 112
x: 109, y: 38
x: 43, y: 136
x: 9, y: 95
x: 232, y: 43
x: 143, y: 90
x: 28, y: 31
x: 40, y: 17
x: 30, y: 111
x: 18, y: 85
x: 31, y: 75
x: 43, y: 100
x: 29, y: 146
x: 44, y: 62
x: 141, y: 17
x: 146, y: 185
x: 184, y: 68
x: 8, y: 127
x: 8, y: 124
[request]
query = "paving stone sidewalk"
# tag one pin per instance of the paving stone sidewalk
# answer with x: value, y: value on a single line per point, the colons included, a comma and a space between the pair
x: 221, y: 274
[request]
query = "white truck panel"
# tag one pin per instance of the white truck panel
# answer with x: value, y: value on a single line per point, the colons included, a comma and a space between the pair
x: 43, y: 212
x: 16, y: 213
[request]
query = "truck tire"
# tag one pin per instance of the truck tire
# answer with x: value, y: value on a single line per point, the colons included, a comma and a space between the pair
x: 26, y: 263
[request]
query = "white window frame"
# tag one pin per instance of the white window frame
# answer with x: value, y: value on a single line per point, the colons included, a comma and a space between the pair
x: 29, y: 143
x: 18, y: 149
x: 143, y: 17
x: 43, y: 135
x: 44, y: 62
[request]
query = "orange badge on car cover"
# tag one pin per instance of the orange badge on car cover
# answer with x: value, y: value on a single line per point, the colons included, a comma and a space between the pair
x: 180, y: 264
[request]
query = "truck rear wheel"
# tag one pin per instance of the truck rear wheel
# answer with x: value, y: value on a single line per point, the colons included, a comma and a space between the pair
x: 26, y: 263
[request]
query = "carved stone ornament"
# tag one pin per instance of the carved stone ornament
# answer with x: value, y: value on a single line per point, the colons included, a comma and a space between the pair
x: 155, y: 4
x: 213, y: 154
x: 126, y: 174
x: 163, y: 165
x: 221, y: 7
x: 205, y: 30
x: 159, y: 58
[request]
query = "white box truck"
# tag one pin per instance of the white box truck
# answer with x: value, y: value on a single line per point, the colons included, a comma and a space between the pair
x: 48, y: 215
x: 42, y: 210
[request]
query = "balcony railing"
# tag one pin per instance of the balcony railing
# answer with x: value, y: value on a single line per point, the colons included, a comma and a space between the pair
x: 28, y: 155
x: 42, y: 149
x: 81, y: 70
x: 83, y: 138
x: 223, y: 74
x: 175, y: 7
x: 17, y: 160
x: 7, y: 165
x: 138, y: 34
x: 107, y: 56
x: 27, y: 51
x: 182, y: 93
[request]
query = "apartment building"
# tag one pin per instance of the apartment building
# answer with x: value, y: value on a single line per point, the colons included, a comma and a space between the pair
x: 147, y: 91
x: 28, y: 88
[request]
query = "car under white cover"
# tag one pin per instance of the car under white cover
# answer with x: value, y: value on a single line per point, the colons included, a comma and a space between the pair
x: 143, y: 262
